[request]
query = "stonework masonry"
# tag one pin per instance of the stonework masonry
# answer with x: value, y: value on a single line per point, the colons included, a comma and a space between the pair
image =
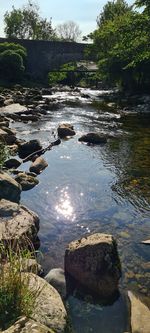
x: 44, y: 56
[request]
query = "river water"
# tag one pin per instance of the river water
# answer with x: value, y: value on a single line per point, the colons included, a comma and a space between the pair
x: 87, y: 189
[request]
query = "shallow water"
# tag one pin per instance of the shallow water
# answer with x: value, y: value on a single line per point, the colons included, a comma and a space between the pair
x: 88, y: 189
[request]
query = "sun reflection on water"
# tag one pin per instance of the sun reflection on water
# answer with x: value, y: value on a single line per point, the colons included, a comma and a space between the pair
x: 64, y: 206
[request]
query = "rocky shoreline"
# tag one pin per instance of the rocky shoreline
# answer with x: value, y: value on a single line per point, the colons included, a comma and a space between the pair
x: 91, y: 262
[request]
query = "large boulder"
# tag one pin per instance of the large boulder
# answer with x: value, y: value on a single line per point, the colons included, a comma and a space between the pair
x: 49, y: 309
x: 9, y: 188
x: 26, y: 181
x: 65, y: 130
x: 94, y: 263
x: 27, y: 325
x: 27, y: 148
x: 38, y: 165
x: 93, y: 138
x: 17, y: 223
x: 140, y: 315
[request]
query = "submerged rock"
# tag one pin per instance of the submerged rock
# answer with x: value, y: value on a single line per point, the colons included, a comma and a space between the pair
x: 94, y: 138
x: 9, y: 188
x: 49, y: 309
x: 38, y: 165
x: 27, y: 325
x: 17, y: 223
x: 56, y: 277
x: 26, y: 181
x: 27, y: 148
x: 93, y: 262
x: 140, y: 315
x: 65, y: 130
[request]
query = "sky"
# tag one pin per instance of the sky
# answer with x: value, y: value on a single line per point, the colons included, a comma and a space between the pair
x: 83, y: 12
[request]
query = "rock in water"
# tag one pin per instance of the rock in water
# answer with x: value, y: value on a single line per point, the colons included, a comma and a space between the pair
x: 27, y: 148
x: 38, y: 165
x: 26, y: 181
x: 12, y: 163
x: 56, y: 278
x: 49, y: 309
x: 9, y: 188
x: 93, y: 138
x: 146, y: 242
x: 93, y: 262
x: 65, y: 130
x: 140, y: 315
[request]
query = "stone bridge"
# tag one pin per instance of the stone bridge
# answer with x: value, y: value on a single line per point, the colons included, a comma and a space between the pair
x: 45, y: 56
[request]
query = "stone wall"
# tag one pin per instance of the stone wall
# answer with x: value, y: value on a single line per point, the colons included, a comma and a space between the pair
x: 44, y: 56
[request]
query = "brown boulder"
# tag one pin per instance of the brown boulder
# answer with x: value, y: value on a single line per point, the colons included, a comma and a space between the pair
x: 94, y: 263
x: 9, y: 188
x: 17, y: 222
x: 65, y: 130
x: 26, y: 181
x: 27, y: 325
x: 38, y: 165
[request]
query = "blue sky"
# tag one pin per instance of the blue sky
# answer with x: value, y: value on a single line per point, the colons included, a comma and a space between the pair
x: 84, y: 12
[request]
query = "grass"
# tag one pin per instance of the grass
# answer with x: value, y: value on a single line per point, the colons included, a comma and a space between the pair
x: 16, y: 299
x: 4, y: 153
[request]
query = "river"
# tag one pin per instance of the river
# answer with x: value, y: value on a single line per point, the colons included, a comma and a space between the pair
x: 87, y: 189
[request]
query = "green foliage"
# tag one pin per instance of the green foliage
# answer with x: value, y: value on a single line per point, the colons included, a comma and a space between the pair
x: 26, y: 23
x: 65, y: 74
x: 12, y: 61
x: 3, y: 153
x: 121, y: 46
x: 112, y: 10
x: 15, y: 297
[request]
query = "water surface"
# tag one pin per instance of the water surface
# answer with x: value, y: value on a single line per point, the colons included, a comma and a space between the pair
x: 88, y: 189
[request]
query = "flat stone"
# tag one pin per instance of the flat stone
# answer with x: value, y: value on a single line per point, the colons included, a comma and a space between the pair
x: 49, y: 309
x: 140, y: 315
x: 8, y: 208
x: 146, y: 242
x: 27, y: 325
x: 9, y: 188
x: 94, y: 263
x: 14, y: 108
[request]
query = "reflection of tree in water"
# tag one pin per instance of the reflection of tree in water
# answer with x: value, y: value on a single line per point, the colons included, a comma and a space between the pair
x: 131, y: 157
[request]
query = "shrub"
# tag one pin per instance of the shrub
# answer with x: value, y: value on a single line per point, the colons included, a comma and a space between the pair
x: 12, y: 61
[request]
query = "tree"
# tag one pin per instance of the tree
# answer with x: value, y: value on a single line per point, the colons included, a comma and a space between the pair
x: 26, y: 23
x: 113, y: 9
x: 121, y: 46
x: 145, y: 4
x: 12, y: 61
x: 68, y: 31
